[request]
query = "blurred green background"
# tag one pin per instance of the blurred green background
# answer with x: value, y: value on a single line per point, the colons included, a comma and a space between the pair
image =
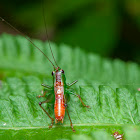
x: 110, y: 28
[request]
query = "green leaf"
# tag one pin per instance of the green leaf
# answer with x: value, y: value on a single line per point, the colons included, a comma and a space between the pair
x: 18, y: 54
x: 108, y: 87
x: 128, y: 106
x: 101, y: 135
x: 81, y: 137
x: 131, y: 133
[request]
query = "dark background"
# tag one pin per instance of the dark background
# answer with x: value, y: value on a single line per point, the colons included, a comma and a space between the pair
x: 110, y: 28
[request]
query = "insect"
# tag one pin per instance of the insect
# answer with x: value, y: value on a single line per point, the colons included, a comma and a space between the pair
x: 118, y: 136
x: 59, y: 92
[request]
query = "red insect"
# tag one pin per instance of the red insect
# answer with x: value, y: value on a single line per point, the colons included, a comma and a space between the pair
x: 59, y: 93
x: 118, y: 136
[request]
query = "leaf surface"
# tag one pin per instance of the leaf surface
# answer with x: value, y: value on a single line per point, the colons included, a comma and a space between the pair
x: 108, y: 87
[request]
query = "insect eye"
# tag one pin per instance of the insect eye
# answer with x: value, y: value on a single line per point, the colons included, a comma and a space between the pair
x: 52, y: 73
x: 62, y: 71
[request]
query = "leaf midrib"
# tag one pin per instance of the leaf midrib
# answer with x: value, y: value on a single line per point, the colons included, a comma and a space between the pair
x: 66, y: 125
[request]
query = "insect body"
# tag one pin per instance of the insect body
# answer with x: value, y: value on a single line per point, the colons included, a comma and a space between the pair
x: 59, y: 92
x: 59, y: 107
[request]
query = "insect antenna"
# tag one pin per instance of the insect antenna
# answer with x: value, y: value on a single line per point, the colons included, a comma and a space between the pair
x: 3, y: 20
x: 47, y: 31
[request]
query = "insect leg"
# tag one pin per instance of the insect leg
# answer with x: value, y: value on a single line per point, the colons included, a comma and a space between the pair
x: 69, y: 118
x: 40, y: 104
x: 47, y: 86
x: 81, y: 100
x: 69, y: 85
x: 69, y: 92
x: 44, y: 94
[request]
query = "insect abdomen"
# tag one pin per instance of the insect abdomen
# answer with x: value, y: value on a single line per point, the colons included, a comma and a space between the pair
x: 59, y: 107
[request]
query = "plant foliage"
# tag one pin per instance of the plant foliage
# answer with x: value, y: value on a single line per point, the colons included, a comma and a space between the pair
x: 108, y: 87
